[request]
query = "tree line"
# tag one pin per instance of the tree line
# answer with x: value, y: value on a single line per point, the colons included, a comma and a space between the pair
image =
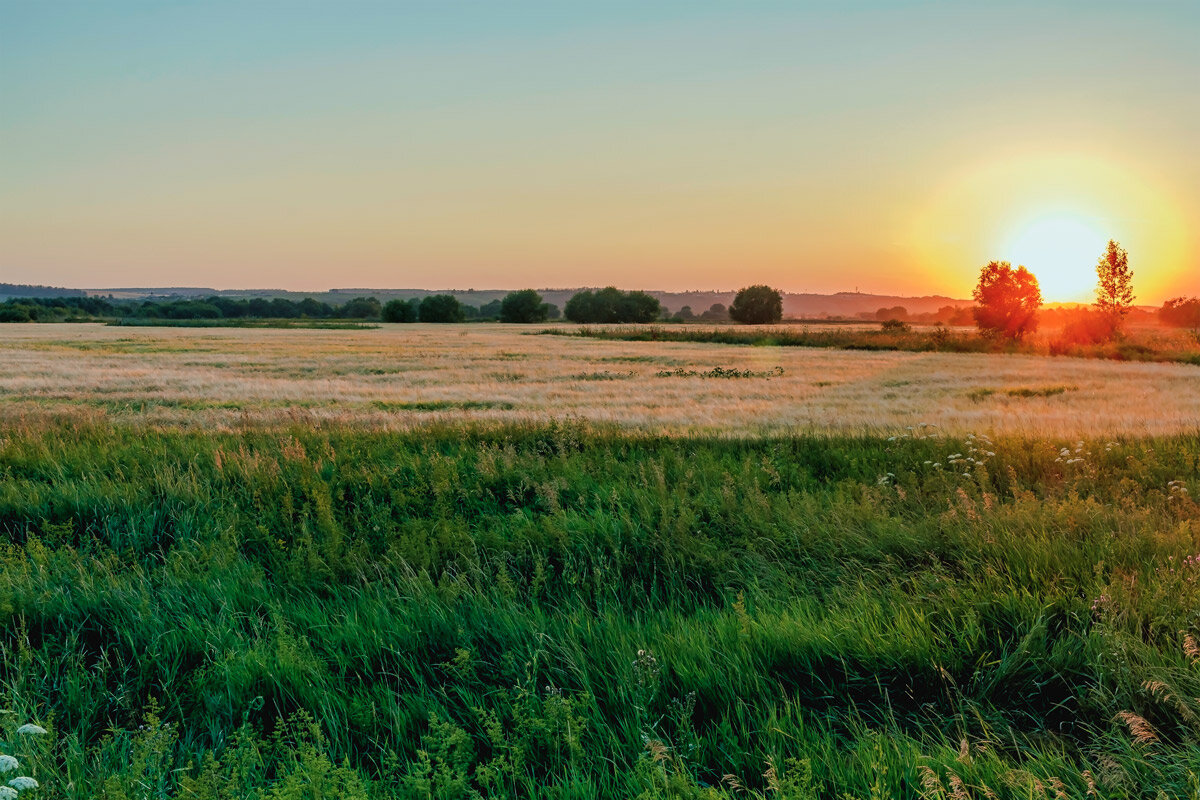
x: 1008, y: 304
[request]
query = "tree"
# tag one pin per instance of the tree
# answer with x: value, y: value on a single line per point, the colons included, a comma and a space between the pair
x: 1114, y: 287
x: 1007, y: 301
x: 524, y: 306
x: 611, y: 305
x: 441, y: 308
x: 756, y: 305
x: 361, y: 308
x: 400, y: 311
x: 1181, y: 312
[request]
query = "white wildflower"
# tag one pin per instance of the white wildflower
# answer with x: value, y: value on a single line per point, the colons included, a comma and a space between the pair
x: 23, y: 782
x: 30, y: 728
x: 7, y: 793
x: 8, y: 763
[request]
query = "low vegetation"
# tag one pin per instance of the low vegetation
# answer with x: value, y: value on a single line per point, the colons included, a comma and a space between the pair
x: 899, y: 336
x: 567, y: 611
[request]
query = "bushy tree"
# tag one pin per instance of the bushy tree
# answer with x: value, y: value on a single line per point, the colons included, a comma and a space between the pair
x: 1181, y: 312
x: 524, y: 306
x: 12, y: 312
x: 361, y: 308
x: 1007, y: 300
x: 400, y: 311
x: 1114, y: 285
x: 611, y: 305
x: 441, y: 308
x: 756, y: 305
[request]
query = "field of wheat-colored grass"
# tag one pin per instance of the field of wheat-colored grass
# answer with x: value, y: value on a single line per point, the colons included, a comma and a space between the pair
x: 404, y: 376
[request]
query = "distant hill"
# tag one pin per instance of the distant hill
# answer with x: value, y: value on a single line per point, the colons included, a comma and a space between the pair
x: 842, y: 304
x: 8, y: 290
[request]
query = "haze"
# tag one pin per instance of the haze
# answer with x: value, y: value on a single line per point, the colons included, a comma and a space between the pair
x: 825, y: 147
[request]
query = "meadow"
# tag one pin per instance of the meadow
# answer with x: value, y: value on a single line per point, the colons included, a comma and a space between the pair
x: 404, y: 376
x: 429, y: 562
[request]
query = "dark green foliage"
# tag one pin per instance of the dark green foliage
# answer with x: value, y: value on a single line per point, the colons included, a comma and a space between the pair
x: 611, y: 305
x: 401, y: 311
x: 14, y: 312
x: 757, y: 305
x: 441, y: 308
x: 361, y: 308
x: 574, y: 612
x: 524, y: 306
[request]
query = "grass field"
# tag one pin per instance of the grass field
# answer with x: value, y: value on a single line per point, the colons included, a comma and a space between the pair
x: 403, y: 376
x: 247, y: 564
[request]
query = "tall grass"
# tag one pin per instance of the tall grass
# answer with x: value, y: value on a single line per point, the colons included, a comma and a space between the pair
x: 570, y: 611
x: 1139, y: 346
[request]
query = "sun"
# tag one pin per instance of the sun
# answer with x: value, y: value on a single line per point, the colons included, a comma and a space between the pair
x: 1061, y: 248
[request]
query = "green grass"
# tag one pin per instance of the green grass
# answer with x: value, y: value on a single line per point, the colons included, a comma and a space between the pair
x: 331, y: 325
x: 440, y: 405
x: 1137, y: 347
x: 1021, y: 392
x: 566, y: 611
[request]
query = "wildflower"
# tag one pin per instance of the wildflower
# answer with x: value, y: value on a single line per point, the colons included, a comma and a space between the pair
x: 7, y: 793
x: 31, y: 729
x: 7, y: 763
x: 23, y: 782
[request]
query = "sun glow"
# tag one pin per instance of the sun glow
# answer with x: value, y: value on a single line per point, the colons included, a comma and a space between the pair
x: 1061, y: 249
x: 1054, y: 214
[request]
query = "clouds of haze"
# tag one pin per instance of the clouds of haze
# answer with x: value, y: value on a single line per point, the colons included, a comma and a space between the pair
x: 688, y: 145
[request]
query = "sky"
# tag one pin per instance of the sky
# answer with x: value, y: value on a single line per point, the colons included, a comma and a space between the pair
x: 882, y: 147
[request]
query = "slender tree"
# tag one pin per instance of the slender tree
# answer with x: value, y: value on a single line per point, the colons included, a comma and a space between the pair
x: 1114, y: 287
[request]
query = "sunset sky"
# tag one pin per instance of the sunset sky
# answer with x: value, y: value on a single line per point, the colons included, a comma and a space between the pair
x: 889, y: 147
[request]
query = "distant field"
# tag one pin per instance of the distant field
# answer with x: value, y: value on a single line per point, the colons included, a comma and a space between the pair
x: 404, y: 376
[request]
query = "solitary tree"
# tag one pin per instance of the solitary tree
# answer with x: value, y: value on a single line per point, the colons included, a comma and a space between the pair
x: 1007, y: 301
x: 1114, y: 289
x: 524, y: 306
x: 756, y: 305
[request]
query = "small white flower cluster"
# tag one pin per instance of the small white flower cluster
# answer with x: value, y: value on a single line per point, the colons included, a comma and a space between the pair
x: 1176, y: 490
x: 979, y: 450
x: 886, y: 479
x: 1069, y: 456
x: 9, y: 763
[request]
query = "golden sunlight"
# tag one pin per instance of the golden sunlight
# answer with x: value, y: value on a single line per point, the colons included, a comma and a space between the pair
x: 1061, y: 249
x: 1053, y: 213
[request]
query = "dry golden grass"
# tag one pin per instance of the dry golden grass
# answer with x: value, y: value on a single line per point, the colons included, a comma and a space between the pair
x: 403, y: 375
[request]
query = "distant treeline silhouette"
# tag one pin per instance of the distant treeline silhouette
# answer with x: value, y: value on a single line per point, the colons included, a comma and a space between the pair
x: 434, y: 308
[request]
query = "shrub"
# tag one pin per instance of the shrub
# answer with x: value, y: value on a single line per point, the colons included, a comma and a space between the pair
x: 895, y: 326
x: 756, y: 305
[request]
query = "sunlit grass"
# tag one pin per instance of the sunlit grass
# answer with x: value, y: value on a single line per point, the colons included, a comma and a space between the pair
x: 403, y: 376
